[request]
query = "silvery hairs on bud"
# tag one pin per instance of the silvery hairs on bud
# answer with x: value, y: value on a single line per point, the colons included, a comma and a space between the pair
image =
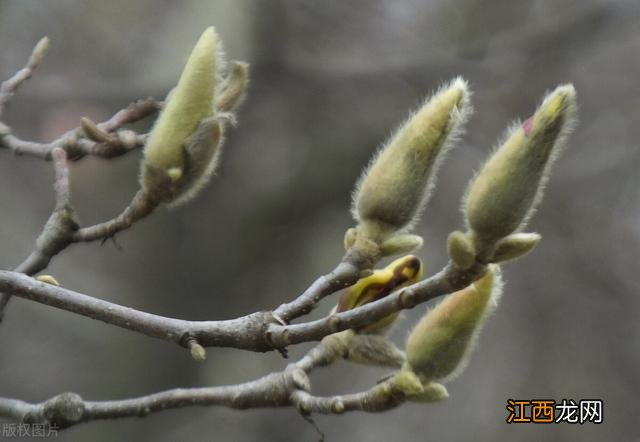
x: 503, y: 195
x: 394, y: 189
x: 440, y: 344
x: 183, y: 146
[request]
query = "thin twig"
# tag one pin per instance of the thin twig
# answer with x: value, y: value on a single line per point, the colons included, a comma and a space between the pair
x: 58, y: 230
x: 140, y: 206
x: 448, y: 280
x: 346, y: 273
x: 8, y: 87
x: 74, y: 142
x: 77, y: 145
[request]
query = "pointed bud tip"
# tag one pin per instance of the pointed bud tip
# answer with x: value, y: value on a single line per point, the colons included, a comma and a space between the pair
x: 39, y: 50
x: 394, y: 190
x: 209, y: 35
x: 43, y: 44
x: 556, y: 108
x: 558, y: 101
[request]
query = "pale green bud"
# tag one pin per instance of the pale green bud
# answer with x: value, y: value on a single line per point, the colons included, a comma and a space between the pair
x: 39, y: 50
x: 439, y: 345
x: 504, y: 194
x: 48, y: 279
x: 197, y: 351
x: 350, y: 237
x: 460, y: 249
x: 514, y: 246
x: 184, y: 135
x: 394, y: 189
x: 399, y: 244
x: 408, y: 383
x: 432, y: 392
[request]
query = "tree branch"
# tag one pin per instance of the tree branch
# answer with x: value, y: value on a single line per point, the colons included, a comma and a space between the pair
x: 448, y: 280
x: 141, y: 206
x: 76, y: 143
x: 57, y: 231
x: 290, y: 387
x: 347, y: 273
x: 259, y: 331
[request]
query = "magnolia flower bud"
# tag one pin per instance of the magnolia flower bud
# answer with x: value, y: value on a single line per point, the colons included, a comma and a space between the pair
x: 504, y: 194
x: 394, y: 189
x: 440, y: 343
x: 400, y: 273
x: 182, y: 146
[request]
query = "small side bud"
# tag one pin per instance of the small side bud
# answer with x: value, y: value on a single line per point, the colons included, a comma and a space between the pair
x: 350, y: 237
x: 394, y: 189
x: 400, y: 273
x: 504, y: 194
x: 407, y: 382
x: 94, y: 133
x: 432, y: 392
x: 460, y: 249
x: 514, y: 246
x: 441, y: 342
x: 39, y: 51
x: 399, y: 244
x: 169, y: 169
x: 198, y: 352
x: 48, y: 279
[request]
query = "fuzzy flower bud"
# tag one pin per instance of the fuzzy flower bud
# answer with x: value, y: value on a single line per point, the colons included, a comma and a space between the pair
x: 441, y: 342
x: 400, y: 273
x: 183, y: 144
x: 394, y: 189
x: 504, y: 194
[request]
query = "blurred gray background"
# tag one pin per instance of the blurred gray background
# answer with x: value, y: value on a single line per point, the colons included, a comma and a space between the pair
x: 330, y: 80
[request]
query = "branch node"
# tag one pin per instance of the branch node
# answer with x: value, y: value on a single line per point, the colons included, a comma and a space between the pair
x: 407, y: 299
x: 278, y: 318
x: 338, y: 406
x: 334, y: 323
x: 64, y: 410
